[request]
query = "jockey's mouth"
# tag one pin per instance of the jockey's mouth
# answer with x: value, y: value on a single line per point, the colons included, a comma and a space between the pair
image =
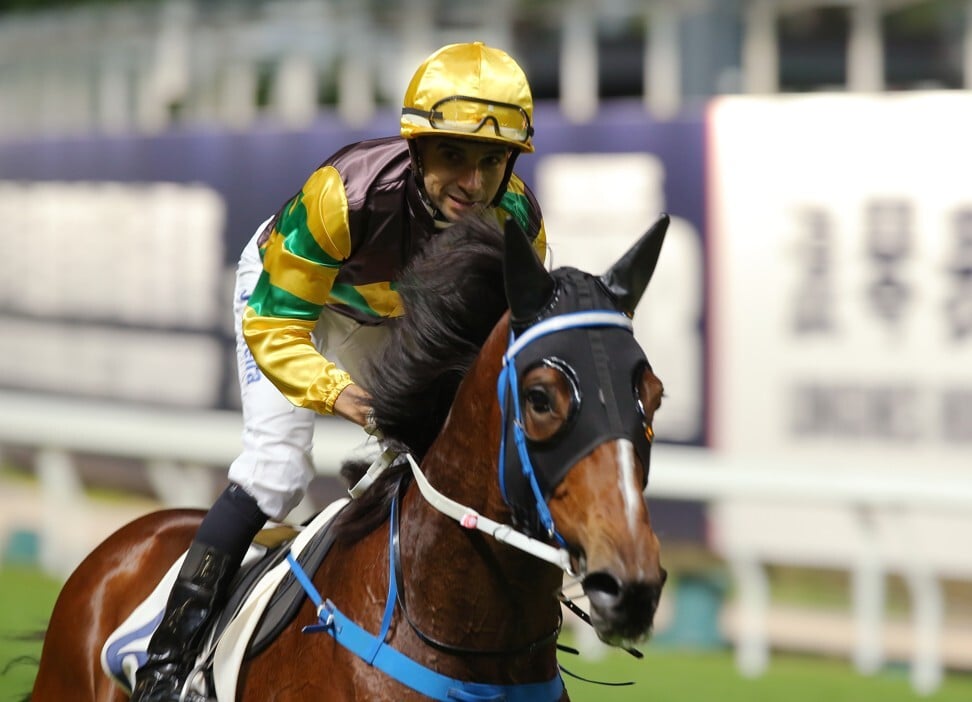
x: 465, y: 203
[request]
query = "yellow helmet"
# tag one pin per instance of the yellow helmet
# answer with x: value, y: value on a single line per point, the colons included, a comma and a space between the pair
x: 471, y: 91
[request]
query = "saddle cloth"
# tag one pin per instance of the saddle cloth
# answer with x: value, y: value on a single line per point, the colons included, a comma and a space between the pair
x: 125, y: 649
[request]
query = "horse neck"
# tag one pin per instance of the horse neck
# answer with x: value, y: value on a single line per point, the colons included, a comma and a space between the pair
x: 510, y: 591
x: 462, y: 461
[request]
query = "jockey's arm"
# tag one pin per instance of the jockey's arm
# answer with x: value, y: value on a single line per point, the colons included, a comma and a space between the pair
x: 301, y: 259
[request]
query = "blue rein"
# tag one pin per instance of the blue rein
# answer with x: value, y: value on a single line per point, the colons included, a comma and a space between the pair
x: 375, y: 652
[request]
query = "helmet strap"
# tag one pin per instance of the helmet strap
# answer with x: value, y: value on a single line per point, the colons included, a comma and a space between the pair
x: 418, y: 171
x: 501, y: 191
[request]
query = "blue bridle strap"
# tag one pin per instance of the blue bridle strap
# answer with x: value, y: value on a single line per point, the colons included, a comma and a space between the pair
x: 507, y: 382
x: 508, y: 379
x: 373, y: 650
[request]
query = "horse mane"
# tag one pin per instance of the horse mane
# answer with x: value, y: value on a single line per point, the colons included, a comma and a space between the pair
x: 452, y: 295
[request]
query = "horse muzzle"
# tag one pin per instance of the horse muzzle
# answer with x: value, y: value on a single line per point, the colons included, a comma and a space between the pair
x: 622, y: 613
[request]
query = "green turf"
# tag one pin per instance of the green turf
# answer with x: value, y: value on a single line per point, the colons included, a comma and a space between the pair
x: 670, y: 675
x: 26, y: 599
x: 664, y: 675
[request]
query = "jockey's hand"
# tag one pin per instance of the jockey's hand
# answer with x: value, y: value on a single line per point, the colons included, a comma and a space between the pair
x: 354, y: 404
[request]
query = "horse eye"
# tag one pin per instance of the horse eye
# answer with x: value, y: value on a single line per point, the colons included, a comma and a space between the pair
x: 538, y: 400
x: 549, y: 399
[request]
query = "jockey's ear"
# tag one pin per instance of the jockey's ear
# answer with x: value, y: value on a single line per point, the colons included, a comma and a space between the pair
x: 528, y: 285
x: 630, y: 274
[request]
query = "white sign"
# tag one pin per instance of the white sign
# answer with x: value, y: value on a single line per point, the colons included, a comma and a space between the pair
x: 116, y: 290
x: 595, y: 206
x: 841, y: 250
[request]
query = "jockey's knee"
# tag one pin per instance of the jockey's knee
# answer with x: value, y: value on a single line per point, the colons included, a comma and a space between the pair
x: 277, y: 485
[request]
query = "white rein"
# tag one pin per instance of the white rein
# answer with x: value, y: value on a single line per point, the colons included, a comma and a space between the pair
x: 467, y: 517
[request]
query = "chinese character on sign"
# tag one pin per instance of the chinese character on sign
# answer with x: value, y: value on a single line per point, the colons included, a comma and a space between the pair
x: 814, y: 304
x: 958, y: 304
x: 887, y: 233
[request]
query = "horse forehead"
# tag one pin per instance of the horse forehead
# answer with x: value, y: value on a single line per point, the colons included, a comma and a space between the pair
x: 578, y: 290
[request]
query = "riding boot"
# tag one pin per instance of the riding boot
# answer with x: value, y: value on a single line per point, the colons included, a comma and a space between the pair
x: 198, y: 592
x: 212, y: 562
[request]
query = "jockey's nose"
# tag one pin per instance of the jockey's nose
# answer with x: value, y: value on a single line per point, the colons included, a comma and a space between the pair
x: 471, y: 179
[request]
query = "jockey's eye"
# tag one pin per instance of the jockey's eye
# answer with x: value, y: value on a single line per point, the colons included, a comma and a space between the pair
x: 549, y: 399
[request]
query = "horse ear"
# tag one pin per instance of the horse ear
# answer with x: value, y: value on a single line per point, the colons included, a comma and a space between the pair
x: 630, y: 274
x: 528, y: 285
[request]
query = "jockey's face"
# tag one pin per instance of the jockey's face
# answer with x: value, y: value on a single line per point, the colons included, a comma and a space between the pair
x: 461, y: 175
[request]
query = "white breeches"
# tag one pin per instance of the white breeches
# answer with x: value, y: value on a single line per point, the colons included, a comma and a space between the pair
x: 276, y: 465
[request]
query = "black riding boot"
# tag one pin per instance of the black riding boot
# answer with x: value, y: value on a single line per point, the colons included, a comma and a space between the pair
x: 199, y: 592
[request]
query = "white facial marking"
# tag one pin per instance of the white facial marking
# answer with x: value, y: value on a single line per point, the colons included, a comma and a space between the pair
x: 627, y: 484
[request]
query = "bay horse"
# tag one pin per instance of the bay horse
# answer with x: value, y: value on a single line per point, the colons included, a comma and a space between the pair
x: 525, y: 406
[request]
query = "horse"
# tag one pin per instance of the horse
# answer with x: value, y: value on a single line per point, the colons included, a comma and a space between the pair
x: 524, y: 407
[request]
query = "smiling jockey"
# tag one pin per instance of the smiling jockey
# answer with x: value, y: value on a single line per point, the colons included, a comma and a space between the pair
x: 313, y: 289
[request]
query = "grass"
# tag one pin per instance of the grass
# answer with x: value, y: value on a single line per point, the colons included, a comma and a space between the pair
x: 678, y: 675
x: 26, y: 599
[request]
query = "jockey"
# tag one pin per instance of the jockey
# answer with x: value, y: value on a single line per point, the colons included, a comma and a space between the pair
x: 315, y: 285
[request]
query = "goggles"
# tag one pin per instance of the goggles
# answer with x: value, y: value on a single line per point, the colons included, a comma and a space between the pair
x: 469, y: 115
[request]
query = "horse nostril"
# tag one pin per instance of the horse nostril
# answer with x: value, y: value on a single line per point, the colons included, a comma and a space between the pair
x: 621, y: 612
x: 632, y: 602
x: 603, y: 590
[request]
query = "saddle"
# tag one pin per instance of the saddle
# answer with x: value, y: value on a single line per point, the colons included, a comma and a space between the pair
x: 264, y: 598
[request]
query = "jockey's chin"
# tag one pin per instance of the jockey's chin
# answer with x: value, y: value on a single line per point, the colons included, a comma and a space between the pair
x: 455, y: 209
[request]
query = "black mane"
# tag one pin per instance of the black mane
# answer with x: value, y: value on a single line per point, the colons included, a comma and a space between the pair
x: 453, y: 296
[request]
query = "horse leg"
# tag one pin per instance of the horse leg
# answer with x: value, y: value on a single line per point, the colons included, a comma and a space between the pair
x: 97, y: 598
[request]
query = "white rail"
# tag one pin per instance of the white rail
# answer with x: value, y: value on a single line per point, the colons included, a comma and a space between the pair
x: 184, y: 452
x: 694, y: 474
x: 177, y: 435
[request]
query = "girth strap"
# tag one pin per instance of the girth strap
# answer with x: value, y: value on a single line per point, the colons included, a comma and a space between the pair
x: 422, y: 679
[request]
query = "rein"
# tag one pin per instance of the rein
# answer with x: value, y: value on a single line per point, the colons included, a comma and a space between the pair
x: 469, y: 518
x: 396, y: 558
x: 375, y: 652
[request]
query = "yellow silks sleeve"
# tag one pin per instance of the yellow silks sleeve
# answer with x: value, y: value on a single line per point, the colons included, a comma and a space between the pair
x: 301, y: 261
x: 286, y: 354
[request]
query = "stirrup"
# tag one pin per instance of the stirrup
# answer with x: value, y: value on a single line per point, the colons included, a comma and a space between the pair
x: 188, y: 692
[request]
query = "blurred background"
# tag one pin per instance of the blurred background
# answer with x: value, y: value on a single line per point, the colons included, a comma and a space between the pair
x: 811, y: 315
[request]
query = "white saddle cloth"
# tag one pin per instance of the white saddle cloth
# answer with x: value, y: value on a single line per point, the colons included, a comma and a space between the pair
x: 126, y: 647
